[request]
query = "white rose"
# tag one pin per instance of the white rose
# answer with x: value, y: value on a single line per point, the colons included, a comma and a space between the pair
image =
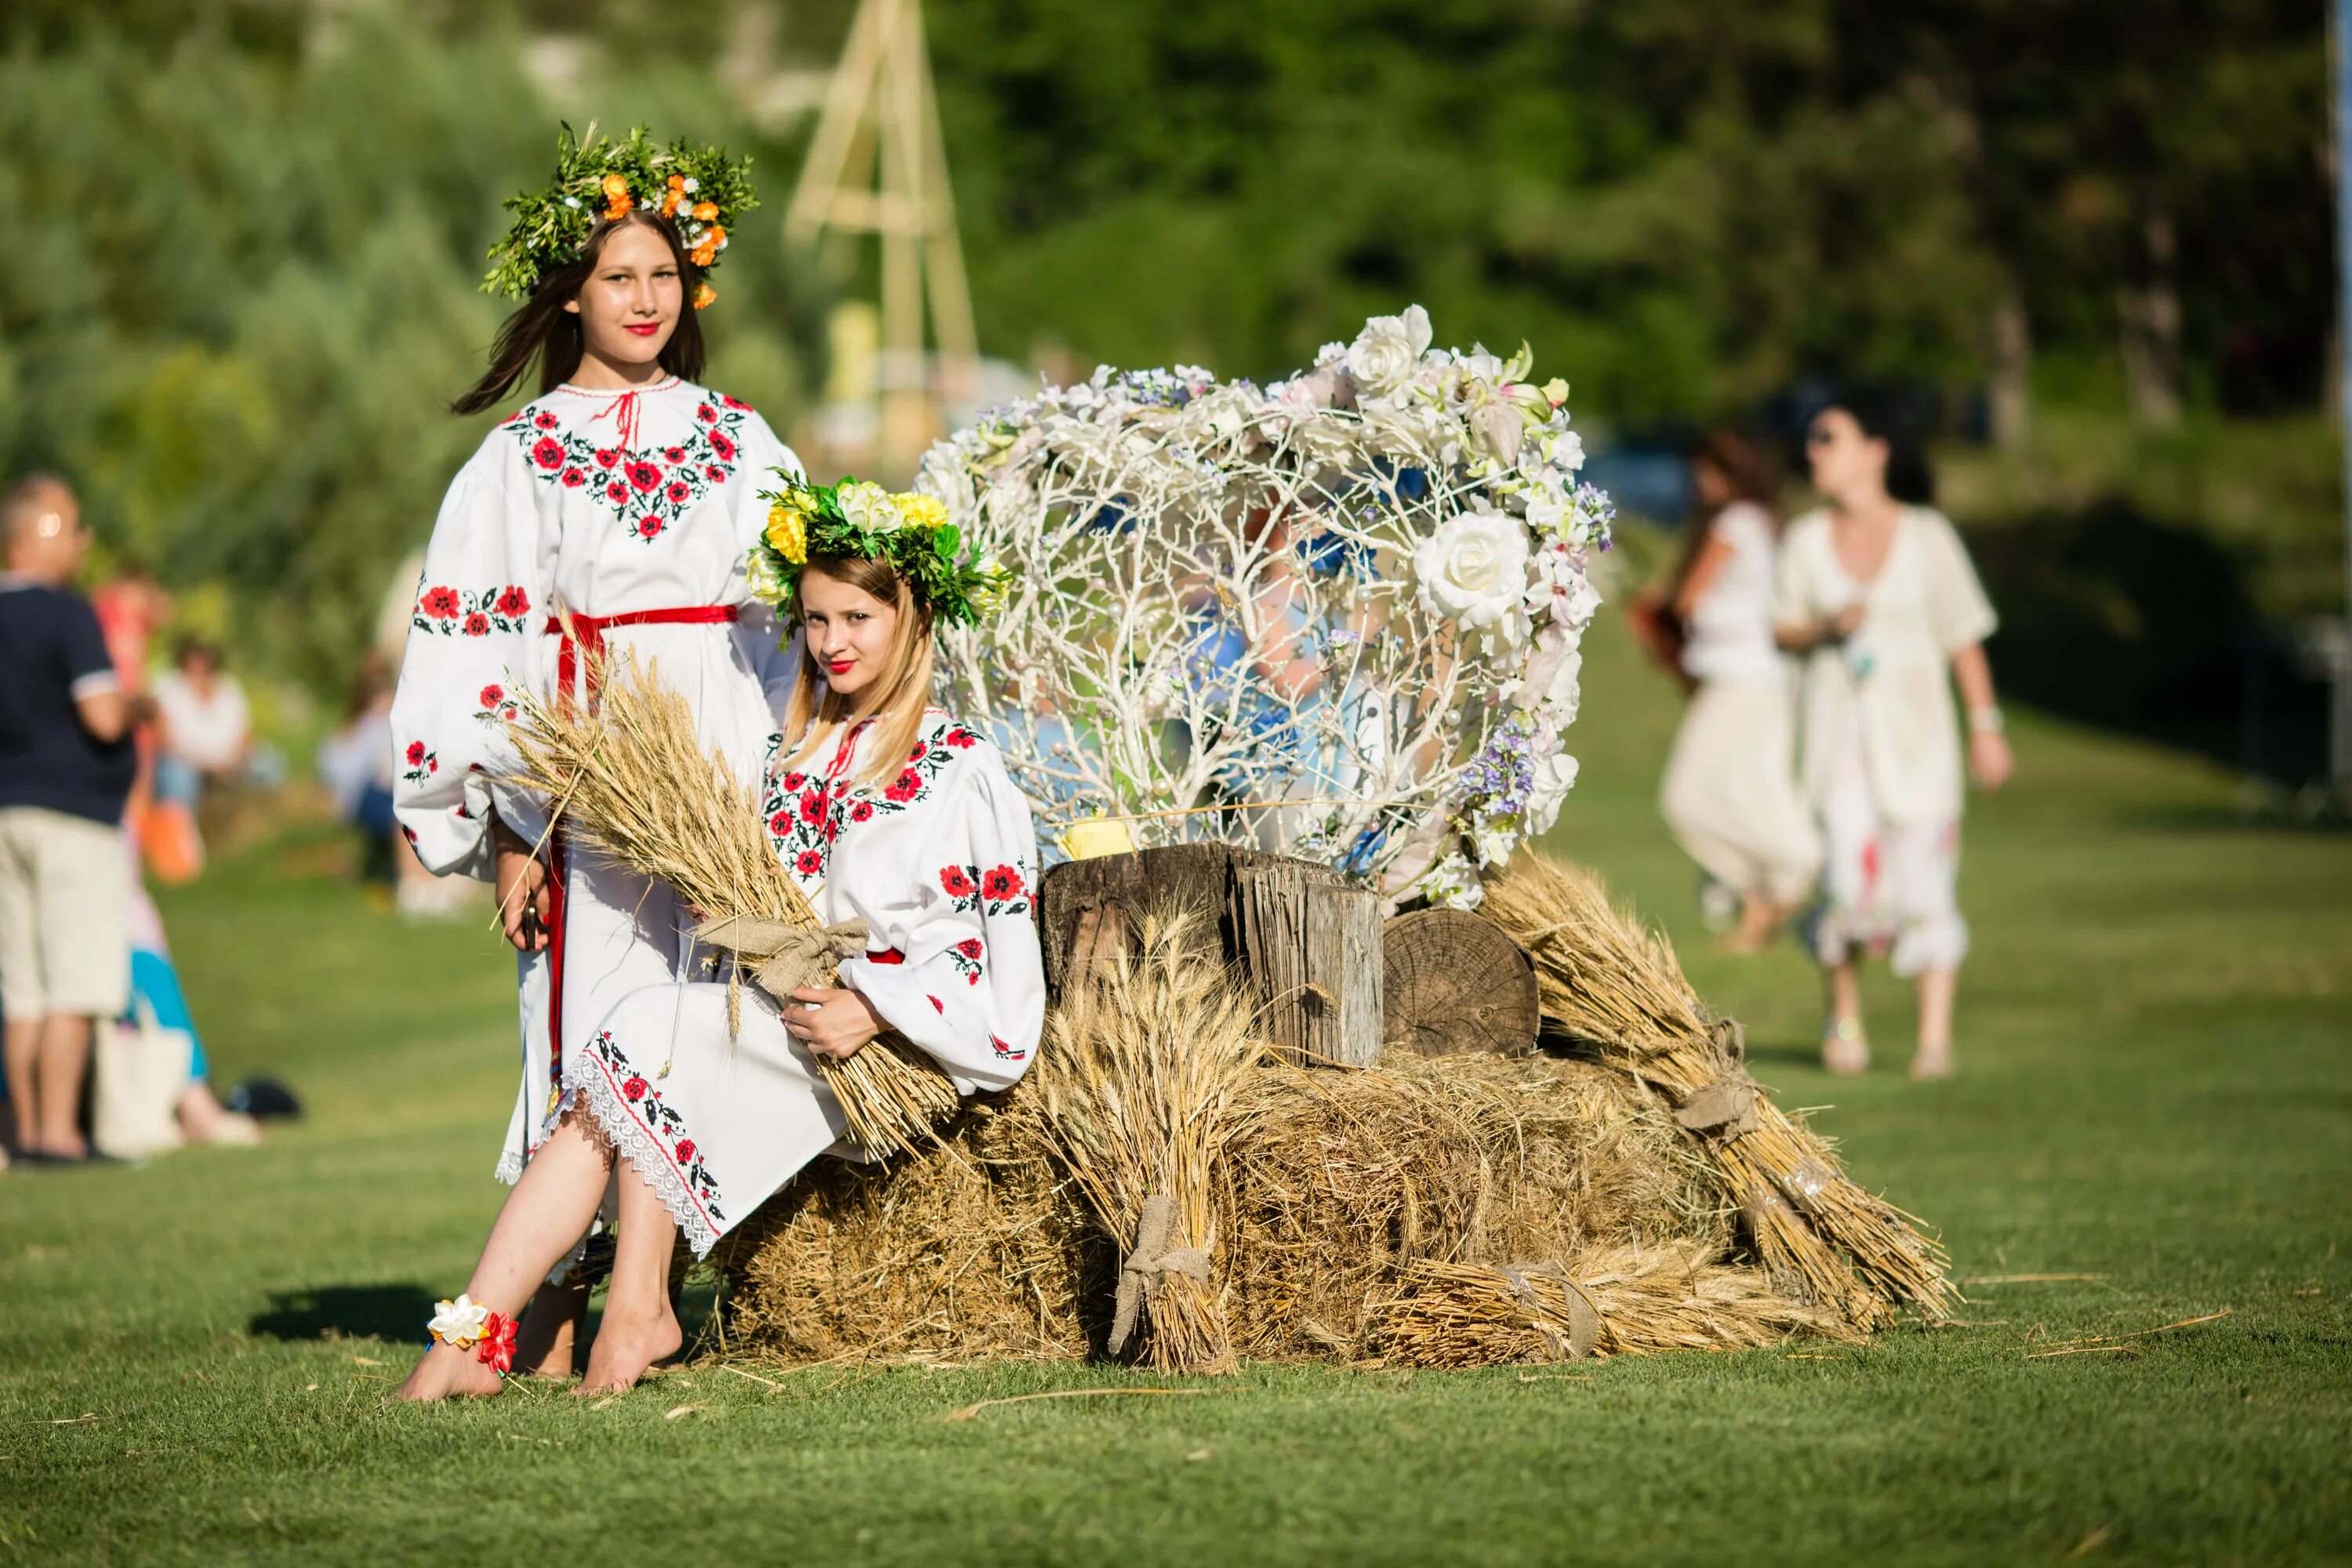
x: 1473, y: 569
x: 1555, y: 776
x: 1564, y: 451
x: 1382, y: 359
x: 867, y: 505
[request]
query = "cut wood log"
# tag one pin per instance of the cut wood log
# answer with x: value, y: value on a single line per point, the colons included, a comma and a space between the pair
x: 1307, y: 940
x: 1456, y: 983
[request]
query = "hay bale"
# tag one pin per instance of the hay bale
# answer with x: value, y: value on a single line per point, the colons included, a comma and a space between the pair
x: 970, y: 1247
x: 1336, y: 1187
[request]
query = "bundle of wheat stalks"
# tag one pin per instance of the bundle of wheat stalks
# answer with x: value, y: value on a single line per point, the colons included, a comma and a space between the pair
x: 628, y: 778
x: 1608, y: 983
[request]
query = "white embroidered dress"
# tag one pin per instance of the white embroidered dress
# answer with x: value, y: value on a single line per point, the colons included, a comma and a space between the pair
x: 639, y: 505
x: 939, y: 861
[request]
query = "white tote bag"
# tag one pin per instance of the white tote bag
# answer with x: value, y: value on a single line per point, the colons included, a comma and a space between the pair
x: 143, y: 1071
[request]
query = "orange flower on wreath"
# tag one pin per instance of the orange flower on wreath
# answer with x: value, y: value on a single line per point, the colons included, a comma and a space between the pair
x: 618, y: 200
x: 708, y: 248
x: 677, y: 196
x: 703, y: 294
x: 706, y: 211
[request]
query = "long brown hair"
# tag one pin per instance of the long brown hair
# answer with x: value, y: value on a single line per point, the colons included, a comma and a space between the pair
x: 543, y: 329
x: 906, y: 680
x: 1747, y: 470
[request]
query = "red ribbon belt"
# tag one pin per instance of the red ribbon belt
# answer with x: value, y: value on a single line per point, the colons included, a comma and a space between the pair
x: 585, y: 635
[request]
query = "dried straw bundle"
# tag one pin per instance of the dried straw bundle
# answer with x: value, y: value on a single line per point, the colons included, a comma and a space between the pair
x: 972, y: 1246
x: 1135, y: 1094
x: 1341, y: 1180
x: 1611, y: 983
x: 628, y: 778
x: 1628, y: 1299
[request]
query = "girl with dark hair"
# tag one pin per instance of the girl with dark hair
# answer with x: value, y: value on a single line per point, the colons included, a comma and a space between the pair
x: 1876, y: 592
x: 613, y: 513
x: 900, y: 826
x: 1730, y: 792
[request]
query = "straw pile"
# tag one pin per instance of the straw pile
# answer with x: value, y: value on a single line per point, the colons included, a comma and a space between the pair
x: 627, y: 777
x: 1616, y: 989
x: 1364, y: 1216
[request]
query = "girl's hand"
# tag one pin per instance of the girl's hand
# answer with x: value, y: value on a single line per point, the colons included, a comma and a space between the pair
x: 523, y: 907
x: 835, y: 1025
x: 1989, y: 761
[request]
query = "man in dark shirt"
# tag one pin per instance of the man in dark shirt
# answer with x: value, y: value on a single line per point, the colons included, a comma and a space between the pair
x: 66, y: 768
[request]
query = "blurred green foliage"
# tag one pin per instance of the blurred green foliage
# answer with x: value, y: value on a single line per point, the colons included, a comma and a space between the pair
x: 245, y: 235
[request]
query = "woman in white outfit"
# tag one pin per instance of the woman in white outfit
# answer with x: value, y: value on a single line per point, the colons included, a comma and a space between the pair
x: 613, y: 512
x: 1729, y: 793
x: 1879, y: 597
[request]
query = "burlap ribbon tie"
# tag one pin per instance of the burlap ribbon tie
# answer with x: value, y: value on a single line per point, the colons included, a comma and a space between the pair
x: 1726, y: 1107
x: 1583, y: 1317
x: 1152, y: 1261
x: 787, y: 956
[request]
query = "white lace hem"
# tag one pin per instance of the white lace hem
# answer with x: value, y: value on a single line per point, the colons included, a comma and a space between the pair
x: 586, y: 1080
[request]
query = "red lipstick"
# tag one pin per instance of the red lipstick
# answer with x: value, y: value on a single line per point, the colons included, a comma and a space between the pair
x: 844, y: 667
x: 643, y: 329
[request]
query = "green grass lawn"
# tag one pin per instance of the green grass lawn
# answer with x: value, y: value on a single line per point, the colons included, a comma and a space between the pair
x: 2155, y: 1097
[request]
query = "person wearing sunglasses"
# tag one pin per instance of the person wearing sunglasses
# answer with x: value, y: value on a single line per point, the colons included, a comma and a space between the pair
x: 1876, y: 595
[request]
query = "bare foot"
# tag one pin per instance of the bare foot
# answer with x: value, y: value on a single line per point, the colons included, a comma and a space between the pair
x: 551, y: 1331
x: 1844, y: 1051
x: 1759, y: 922
x: 449, y: 1373
x: 1932, y: 1064
x: 625, y: 1347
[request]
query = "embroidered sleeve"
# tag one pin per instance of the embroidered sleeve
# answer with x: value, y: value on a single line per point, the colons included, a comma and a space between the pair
x: 956, y: 965
x: 472, y: 642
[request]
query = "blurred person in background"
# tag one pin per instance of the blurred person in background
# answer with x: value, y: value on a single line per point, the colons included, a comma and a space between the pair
x: 208, y: 728
x: 1729, y: 793
x: 67, y: 764
x: 356, y: 764
x: 1877, y: 594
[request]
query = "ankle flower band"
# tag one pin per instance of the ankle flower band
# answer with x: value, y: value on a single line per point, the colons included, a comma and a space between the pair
x: 465, y: 1324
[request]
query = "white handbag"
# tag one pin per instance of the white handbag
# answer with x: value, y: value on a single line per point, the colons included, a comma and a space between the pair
x: 142, y: 1070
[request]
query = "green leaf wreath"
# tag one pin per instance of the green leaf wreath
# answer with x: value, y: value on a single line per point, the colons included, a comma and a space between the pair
x: 700, y: 189
x: 857, y: 518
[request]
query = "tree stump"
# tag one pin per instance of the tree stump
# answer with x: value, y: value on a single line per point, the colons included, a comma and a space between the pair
x: 1456, y: 983
x: 1307, y: 940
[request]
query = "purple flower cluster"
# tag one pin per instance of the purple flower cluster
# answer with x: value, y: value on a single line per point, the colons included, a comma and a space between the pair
x: 1499, y: 781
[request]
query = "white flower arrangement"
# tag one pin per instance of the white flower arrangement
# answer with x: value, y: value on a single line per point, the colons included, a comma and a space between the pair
x: 459, y: 1322
x: 1337, y: 616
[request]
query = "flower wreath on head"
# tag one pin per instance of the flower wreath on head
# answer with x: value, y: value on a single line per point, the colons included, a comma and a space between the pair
x: 700, y: 189
x: 857, y: 518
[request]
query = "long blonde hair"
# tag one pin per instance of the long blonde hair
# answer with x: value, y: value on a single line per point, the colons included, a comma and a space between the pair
x: 815, y: 708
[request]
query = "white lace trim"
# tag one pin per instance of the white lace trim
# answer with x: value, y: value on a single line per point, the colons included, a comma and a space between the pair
x: 509, y: 1169
x: 633, y: 1144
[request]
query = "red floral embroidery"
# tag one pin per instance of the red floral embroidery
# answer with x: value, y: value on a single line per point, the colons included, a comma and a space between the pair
x: 423, y: 762
x: 495, y: 707
x: 956, y: 882
x: 806, y: 813
x: 630, y: 483
x: 663, y: 1122
x: 1004, y: 882
x: 415, y: 753
x: 937, y: 1006
x: 1005, y: 1050
x: 474, y: 612
x: 966, y: 955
